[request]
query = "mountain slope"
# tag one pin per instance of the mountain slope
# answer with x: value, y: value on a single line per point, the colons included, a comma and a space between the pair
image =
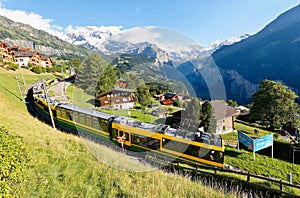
x: 13, y: 33
x: 272, y: 53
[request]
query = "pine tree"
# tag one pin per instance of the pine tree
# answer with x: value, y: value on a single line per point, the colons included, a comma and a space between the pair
x: 107, y: 80
x: 89, y: 73
x: 208, y: 120
x: 143, y: 96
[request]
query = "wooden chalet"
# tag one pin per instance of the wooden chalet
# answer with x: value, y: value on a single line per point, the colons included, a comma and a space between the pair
x: 117, y: 98
x: 46, y: 61
x: 23, y: 58
x: 6, y: 53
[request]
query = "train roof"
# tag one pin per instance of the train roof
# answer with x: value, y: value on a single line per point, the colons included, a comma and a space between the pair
x: 166, y: 129
x: 158, y: 128
x: 91, y: 112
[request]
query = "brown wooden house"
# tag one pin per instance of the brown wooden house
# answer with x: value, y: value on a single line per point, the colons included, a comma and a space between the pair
x: 117, y: 98
x: 46, y: 61
x: 6, y: 53
x: 23, y: 58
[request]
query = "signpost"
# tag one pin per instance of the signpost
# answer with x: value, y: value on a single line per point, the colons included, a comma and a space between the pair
x: 255, y: 144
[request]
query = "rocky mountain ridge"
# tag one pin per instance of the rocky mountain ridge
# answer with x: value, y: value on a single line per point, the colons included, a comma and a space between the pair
x: 14, y: 33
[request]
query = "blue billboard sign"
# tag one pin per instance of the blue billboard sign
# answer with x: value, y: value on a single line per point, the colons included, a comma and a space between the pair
x: 256, y: 144
x: 263, y: 142
x: 245, y: 139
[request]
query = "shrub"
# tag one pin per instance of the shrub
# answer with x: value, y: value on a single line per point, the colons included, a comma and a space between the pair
x: 13, y: 66
x: 49, y: 70
x: 30, y: 65
x: 13, y: 160
x: 36, y: 70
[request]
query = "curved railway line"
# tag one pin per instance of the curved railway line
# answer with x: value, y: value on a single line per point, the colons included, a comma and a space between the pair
x: 157, y: 145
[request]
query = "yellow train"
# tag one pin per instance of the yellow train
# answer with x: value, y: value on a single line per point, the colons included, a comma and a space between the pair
x: 173, y: 144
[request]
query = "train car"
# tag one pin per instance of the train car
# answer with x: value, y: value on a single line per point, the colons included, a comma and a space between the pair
x: 84, y: 122
x: 174, y: 144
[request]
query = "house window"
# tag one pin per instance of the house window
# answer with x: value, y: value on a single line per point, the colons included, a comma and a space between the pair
x: 125, y: 100
x: 117, y: 100
x: 106, y: 102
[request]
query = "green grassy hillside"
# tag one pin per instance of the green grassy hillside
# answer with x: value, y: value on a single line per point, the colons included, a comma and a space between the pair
x: 62, y: 165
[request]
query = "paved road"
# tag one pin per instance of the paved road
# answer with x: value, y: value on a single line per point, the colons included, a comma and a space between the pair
x: 59, y: 91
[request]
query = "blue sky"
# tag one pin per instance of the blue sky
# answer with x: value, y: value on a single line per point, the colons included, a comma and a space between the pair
x: 202, y: 20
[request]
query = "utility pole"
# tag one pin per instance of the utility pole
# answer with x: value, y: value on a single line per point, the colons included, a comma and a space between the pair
x: 48, y: 102
x: 23, y: 79
x: 20, y: 89
x: 63, y: 76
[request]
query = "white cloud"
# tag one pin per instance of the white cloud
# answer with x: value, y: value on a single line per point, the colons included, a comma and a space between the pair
x: 35, y: 20
x: 138, y: 35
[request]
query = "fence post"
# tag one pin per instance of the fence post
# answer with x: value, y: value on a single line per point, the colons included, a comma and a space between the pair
x: 281, y: 185
x: 248, y: 177
x: 215, y: 171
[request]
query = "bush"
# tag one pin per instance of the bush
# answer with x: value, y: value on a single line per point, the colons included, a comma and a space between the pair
x: 13, y: 66
x: 49, y: 70
x: 38, y: 70
x: 13, y: 161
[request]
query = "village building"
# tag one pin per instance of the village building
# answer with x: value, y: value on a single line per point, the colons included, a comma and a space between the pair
x: 225, y: 116
x: 160, y: 112
x: 6, y: 53
x: 23, y: 58
x: 46, y: 61
x: 117, y: 98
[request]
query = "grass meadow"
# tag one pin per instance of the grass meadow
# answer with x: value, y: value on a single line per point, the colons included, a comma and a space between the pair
x: 62, y: 165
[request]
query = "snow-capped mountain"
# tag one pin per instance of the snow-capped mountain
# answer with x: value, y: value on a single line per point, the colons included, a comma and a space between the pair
x: 218, y: 44
x: 114, y: 40
x: 91, y: 36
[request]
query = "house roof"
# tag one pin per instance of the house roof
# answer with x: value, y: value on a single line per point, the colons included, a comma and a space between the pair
x: 44, y: 58
x: 167, y: 102
x: 21, y: 49
x: 3, y: 44
x: 26, y: 53
x: 222, y: 110
x: 117, y: 89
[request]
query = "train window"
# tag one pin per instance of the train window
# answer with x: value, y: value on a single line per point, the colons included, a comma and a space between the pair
x: 96, y: 123
x: 88, y: 120
x: 58, y: 112
x: 127, y: 136
x: 103, y: 124
x: 63, y: 113
x: 192, y: 150
x: 217, y: 156
x: 69, y: 114
x: 145, y: 141
x: 75, y: 116
x: 114, y: 133
x: 81, y: 118
x: 175, y: 145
